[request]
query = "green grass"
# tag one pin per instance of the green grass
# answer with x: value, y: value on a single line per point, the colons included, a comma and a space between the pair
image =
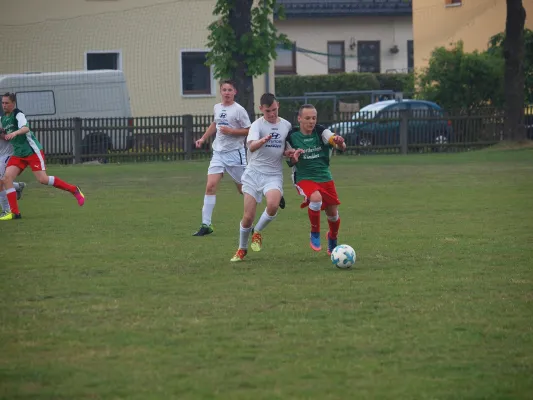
x: 117, y: 300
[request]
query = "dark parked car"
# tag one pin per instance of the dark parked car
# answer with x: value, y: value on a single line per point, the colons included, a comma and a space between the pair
x: 378, y: 124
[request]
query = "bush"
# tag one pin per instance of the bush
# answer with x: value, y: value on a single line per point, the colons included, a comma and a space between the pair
x: 462, y: 81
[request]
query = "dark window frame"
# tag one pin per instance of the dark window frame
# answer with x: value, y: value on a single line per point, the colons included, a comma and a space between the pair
x: 377, y: 64
x: 287, y: 70
x: 342, y: 45
x: 118, y: 60
x: 410, y: 55
x: 208, y: 91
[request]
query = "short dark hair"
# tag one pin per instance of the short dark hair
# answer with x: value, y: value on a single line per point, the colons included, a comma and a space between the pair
x: 12, y: 97
x: 306, y: 107
x: 229, y: 82
x: 268, y: 99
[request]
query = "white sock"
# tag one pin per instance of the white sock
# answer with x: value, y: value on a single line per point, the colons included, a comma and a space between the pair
x: 243, y: 237
x: 315, y: 205
x: 334, y: 218
x: 51, y: 180
x: 16, y: 185
x: 207, y: 209
x: 3, y: 201
x: 264, y: 221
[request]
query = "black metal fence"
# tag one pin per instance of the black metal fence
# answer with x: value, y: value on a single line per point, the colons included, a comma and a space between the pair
x: 173, y: 137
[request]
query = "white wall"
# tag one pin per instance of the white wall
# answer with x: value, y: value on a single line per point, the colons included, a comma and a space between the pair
x: 314, y: 35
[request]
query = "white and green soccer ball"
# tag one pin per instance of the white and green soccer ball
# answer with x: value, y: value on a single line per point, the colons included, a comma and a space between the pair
x: 343, y: 256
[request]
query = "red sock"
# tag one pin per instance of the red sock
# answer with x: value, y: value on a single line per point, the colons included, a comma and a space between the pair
x: 58, y: 183
x: 334, y: 228
x: 314, y: 218
x: 12, y: 199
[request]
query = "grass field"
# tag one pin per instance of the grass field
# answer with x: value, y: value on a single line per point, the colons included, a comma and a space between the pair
x: 116, y: 300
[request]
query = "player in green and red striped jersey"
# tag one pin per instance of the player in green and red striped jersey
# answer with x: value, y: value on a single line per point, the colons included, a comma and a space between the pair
x: 27, y: 152
x: 311, y: 173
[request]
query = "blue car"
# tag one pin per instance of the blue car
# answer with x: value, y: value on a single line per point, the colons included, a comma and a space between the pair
x: 378, y: 124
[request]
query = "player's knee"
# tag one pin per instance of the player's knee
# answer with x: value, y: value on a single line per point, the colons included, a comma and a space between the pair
x: 211, y: 188
x: 315, y: 197
x: 272, y: 208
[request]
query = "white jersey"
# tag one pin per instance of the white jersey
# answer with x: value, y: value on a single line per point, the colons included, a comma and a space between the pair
x: 234, y: 116
x: 268, y: 159
x: 6, y: 148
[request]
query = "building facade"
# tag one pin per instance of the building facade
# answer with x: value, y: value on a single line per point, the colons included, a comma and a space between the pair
x: 439, y: 23
x: 160, y: 46
x: 346, y: 36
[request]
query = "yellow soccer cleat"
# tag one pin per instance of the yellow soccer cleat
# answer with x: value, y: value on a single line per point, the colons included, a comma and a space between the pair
x: 257, y: 241
x: 9, y: 216
x: 239, y: 255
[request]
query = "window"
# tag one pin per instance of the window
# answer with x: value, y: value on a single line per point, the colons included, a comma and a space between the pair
x: 410, y: 55
x: 336, y: 62
x: 368, y: 56
x: 95, y: 60
x: 286, y: 60
x: 196, y: 76
x: 453, y: 2
x: 37, y: 103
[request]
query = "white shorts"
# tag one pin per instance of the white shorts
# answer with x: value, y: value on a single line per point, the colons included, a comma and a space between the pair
x: 257, y: 184
x: 232, y: 162
x: 3, y: 165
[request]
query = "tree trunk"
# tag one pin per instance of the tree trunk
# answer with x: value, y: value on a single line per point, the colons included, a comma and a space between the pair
x: 513, y: 50
x: 240, y: 18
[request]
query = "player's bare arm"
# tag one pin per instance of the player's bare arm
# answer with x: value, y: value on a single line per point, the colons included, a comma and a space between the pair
x: 21, y: 131
x: 211, y: 130
x: 255, y: 145
x: 234, y: 131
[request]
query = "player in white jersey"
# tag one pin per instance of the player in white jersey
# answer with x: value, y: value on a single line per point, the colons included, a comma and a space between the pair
x: 264, y: 174
x: 231, y: 124
x: 6, y: 151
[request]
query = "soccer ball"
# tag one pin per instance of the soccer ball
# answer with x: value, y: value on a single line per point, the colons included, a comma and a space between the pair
x: 343, y: 256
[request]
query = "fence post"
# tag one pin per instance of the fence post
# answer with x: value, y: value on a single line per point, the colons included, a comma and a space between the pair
x: 77, y: 140
x: 404, y: 130
x: 188, y: 132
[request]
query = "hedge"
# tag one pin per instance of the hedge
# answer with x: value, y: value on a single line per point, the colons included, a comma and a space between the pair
x: 297, y: 85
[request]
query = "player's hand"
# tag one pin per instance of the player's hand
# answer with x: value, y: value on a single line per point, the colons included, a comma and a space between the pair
x: 296, y: 156
x: 9, y: 137
x: 266, y: 139
x: 226, y: 130
x: 288, y: 153
x: 199, y: 143
x: 339, y: 142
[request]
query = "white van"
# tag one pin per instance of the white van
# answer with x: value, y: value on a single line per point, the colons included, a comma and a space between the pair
x: 49, y: 96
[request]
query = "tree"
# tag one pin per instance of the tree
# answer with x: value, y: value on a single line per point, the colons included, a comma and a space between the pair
x: 462, y: 81
x: 242, y: 43
x: 496, y: 43
x: 513, y: 53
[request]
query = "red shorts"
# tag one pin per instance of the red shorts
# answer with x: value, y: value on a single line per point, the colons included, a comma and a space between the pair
x: 34, y: 161
x: 326, y: 189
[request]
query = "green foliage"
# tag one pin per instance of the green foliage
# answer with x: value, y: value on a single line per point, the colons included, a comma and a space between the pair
x: 398, y: 82
x: 458, y: 80
x: 496, y: 47
x: 258, y: 46
x: 297, y: 85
